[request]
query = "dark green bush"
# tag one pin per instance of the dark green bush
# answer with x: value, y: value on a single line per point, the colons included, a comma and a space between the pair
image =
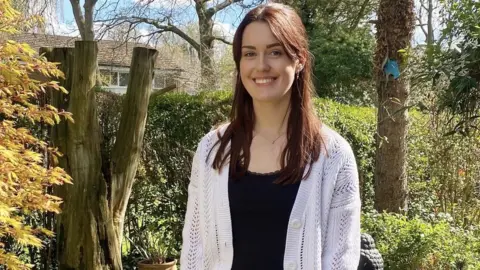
x: 357, y: 125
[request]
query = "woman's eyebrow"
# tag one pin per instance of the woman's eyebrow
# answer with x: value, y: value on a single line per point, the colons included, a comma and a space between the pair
x: 268, y: 46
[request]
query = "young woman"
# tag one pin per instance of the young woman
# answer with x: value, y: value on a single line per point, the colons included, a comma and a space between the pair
x: 274, y: 188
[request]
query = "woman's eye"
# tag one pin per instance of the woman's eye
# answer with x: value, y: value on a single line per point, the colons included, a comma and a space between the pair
x: 276, y: 53
x: 249, y: 54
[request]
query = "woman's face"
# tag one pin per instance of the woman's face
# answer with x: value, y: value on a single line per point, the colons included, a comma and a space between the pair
x: 266, y: 70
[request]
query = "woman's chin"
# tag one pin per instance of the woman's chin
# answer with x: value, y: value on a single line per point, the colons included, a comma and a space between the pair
x: 269, y: 97
x: 268, y: 93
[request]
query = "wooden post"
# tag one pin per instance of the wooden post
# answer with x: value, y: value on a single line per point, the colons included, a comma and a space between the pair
x: 58, y: 133
x: 86, y: 236
x: 90, y: 228
x: 63, y: 56
x: 129, y: 139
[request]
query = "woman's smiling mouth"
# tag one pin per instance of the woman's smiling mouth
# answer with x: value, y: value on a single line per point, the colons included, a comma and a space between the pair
x: 264, y: 80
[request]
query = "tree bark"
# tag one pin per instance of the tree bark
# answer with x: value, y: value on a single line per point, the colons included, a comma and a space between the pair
x: 129, y: 139
x: 84, y: 21
x: 85, y: 233
x: 430, y: 23
x: 86, y: 236
x: 58, y: 133
x: 394, y: 32
x: 430, y: 36
x: 90, y: 227
x: 205, y: 53
x: 89, y: 8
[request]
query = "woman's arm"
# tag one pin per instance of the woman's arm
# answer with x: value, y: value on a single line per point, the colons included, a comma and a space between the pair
x: 342, y: 245
x: 191, y: 254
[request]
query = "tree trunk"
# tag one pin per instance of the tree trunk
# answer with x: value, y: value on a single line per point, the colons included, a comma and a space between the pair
x: 208, y: 80
x: 89, y: 7
x: 129, y: 139
x: 84, y: 20
x: 86, y: 235
x: 430, y: 23
x: 205, y: 53
x: 58, y: 133
x: 90, y: 228
x: 394, y: 32
x: 430, y: 36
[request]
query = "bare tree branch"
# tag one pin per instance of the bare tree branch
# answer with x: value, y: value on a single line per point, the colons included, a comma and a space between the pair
x: 89, y: 8
x: 221, y: 6
x: 360, y: 15
x: 78, y: 14
x: 84, y: 19
x: 168, y: 27
x: 222, y: 40
x: 106, y: 5
x: 422, y: 26
x: 420, y: 17
x: 423, y: 5
x: 430, y: 35
x: 141, y: 15
x: 163, y: 91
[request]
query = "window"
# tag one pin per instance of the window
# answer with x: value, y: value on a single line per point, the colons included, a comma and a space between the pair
x: 159, y: 82
x: 114, y: 78
x: 170, y: 81
x: 108, y: 77
x: 123, y: 79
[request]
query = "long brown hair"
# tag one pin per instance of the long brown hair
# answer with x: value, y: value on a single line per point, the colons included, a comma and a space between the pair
x: 304, y: 141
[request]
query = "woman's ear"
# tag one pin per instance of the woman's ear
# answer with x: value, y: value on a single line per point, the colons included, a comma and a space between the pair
x: 299, y: 68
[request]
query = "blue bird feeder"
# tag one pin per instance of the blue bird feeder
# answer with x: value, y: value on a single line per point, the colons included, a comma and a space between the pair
x: 391, y: 68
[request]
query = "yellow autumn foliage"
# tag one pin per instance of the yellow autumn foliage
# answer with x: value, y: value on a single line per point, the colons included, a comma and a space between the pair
x: 24, y: 176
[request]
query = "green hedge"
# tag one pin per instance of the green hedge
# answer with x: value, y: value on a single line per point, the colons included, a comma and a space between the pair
x: 357, y: 125
x: 176, y: 122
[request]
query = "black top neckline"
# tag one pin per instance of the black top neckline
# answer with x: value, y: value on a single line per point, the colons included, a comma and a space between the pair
x: 277, y: 172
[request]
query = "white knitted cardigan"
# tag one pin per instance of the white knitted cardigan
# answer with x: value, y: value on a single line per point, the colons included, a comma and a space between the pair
x: 324, y: 225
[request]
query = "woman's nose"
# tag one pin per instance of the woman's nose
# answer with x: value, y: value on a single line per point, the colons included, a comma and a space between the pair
x: 262, y: 64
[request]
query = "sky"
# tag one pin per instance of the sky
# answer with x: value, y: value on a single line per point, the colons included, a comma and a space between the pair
x: 226, y: 21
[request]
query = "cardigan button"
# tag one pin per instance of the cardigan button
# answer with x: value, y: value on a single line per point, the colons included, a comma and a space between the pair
x: 291, y: 266
x: 296, y: 224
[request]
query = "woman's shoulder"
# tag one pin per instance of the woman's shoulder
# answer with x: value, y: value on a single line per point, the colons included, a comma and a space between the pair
x: 214, y: 134
x: 335, y: 144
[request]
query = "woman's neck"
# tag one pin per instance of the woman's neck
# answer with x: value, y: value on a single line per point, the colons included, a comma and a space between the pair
x: 271, y: 118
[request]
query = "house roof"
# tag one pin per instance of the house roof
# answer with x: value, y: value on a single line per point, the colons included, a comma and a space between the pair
x: 110, y: 52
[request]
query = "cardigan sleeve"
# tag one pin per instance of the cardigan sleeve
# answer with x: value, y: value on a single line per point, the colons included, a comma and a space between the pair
x: 192, y: 252
x: 342, y: 247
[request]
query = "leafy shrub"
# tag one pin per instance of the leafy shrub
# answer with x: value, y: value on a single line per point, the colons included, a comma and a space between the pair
x: 416, y: 244
x: 28, y: 166
x: 343, y: 63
